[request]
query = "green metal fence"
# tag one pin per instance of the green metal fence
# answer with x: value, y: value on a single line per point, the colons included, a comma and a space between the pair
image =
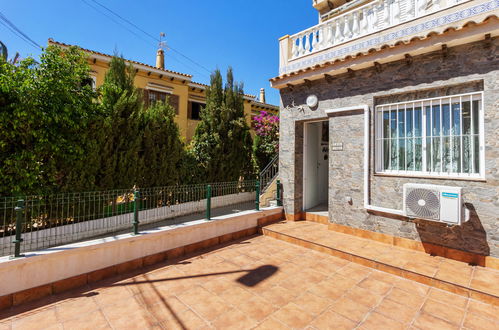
x: 52, y: 220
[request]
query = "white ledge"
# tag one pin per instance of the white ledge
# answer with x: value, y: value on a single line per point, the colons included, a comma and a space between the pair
x: 364, y: 107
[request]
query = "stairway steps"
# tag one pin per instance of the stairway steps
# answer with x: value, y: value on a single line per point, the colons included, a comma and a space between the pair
x: 457, y: 277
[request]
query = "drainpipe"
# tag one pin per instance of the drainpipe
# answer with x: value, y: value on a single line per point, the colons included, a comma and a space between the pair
x: 367, y: 201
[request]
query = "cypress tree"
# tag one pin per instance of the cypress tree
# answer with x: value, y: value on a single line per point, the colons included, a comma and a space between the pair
x: 122, y: 104
x: 162, y: 150
x: 222, y: 142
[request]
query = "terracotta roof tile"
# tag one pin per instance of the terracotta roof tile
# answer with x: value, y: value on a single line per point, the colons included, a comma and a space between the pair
x: 205, y: 86
x: 53, y: 42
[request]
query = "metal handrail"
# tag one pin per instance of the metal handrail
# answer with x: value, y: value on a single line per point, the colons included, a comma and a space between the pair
x: 30, y: 223
x: 269, y: 173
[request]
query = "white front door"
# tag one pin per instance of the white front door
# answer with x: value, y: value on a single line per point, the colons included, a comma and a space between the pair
x: 323, y: 162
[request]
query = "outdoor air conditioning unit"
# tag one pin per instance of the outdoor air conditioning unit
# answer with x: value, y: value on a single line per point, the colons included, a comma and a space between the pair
x: 436, y: 203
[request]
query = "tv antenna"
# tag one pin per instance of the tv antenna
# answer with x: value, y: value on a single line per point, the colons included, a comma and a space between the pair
x: 162, y: 43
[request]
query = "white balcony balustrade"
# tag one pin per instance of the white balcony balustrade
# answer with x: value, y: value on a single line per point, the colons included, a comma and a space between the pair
x: 369, y: 18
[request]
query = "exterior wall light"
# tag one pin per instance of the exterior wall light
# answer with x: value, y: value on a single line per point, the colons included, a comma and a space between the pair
x: 312, y: 101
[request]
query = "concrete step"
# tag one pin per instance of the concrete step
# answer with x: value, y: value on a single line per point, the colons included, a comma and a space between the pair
x: 269, y: 193
x: 471, y: 281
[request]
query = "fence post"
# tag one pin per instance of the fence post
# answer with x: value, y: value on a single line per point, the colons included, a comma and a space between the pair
x: 19, y: 228
x: 278, y: 193
x: 257, y: 195
x: 208, y: 202
x: 136, y: 208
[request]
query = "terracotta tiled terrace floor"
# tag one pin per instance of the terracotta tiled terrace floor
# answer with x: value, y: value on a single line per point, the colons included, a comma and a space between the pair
x: 258, y: 283
x: 455, y: 274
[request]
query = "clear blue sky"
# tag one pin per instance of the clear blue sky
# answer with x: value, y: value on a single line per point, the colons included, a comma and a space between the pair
x: 214, y: 33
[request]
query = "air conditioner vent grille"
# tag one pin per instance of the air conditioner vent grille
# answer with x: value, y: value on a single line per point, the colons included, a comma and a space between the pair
x: 423, y: 203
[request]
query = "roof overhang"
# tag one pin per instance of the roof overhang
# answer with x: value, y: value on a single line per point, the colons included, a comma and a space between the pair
x: 203, y: 87
x: 106, y: 58
x: 142, y: 67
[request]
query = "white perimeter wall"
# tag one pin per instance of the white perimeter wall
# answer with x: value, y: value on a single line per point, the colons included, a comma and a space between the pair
x: 58, y: 263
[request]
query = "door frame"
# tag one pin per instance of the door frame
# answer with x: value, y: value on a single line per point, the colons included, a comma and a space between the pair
x: 305, y: 154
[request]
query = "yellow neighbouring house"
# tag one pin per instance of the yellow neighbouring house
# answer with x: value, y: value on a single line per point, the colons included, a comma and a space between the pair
x: 185, y: 95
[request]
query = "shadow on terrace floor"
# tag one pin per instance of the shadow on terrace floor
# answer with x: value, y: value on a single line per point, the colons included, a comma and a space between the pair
x: 470, y: 237
x: 321, y: 209
x: 146, y: 285
x: 249, y: 278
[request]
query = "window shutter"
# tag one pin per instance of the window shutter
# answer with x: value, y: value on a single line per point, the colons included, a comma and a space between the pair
x: 174, y: 102
x: 189, y: 110
x: 145, y: 95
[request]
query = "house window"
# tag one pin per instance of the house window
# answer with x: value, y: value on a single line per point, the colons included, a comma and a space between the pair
x: 195, y: 110
x: 155, y: 96
x: 90, y: 81
x: 439, y: 136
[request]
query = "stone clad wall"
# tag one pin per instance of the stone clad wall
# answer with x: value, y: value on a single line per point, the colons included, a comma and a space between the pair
x: 464, y: 68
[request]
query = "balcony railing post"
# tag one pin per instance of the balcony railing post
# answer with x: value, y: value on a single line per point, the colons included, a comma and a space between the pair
x: 286, y: 50
x: 19, y: 228
x: 257, y: 195
x: 208, y: 202
x: 136, y: 208
x: 278, y: 193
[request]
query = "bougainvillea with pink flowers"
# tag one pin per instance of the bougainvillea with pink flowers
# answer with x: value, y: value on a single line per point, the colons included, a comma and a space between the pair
x: 266, y: 141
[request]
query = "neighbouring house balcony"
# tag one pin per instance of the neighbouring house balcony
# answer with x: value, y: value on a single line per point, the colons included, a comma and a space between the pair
x: 360, y: 27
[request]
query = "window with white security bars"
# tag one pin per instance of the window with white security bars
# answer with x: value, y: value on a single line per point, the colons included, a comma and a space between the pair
x: 437, y: 137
